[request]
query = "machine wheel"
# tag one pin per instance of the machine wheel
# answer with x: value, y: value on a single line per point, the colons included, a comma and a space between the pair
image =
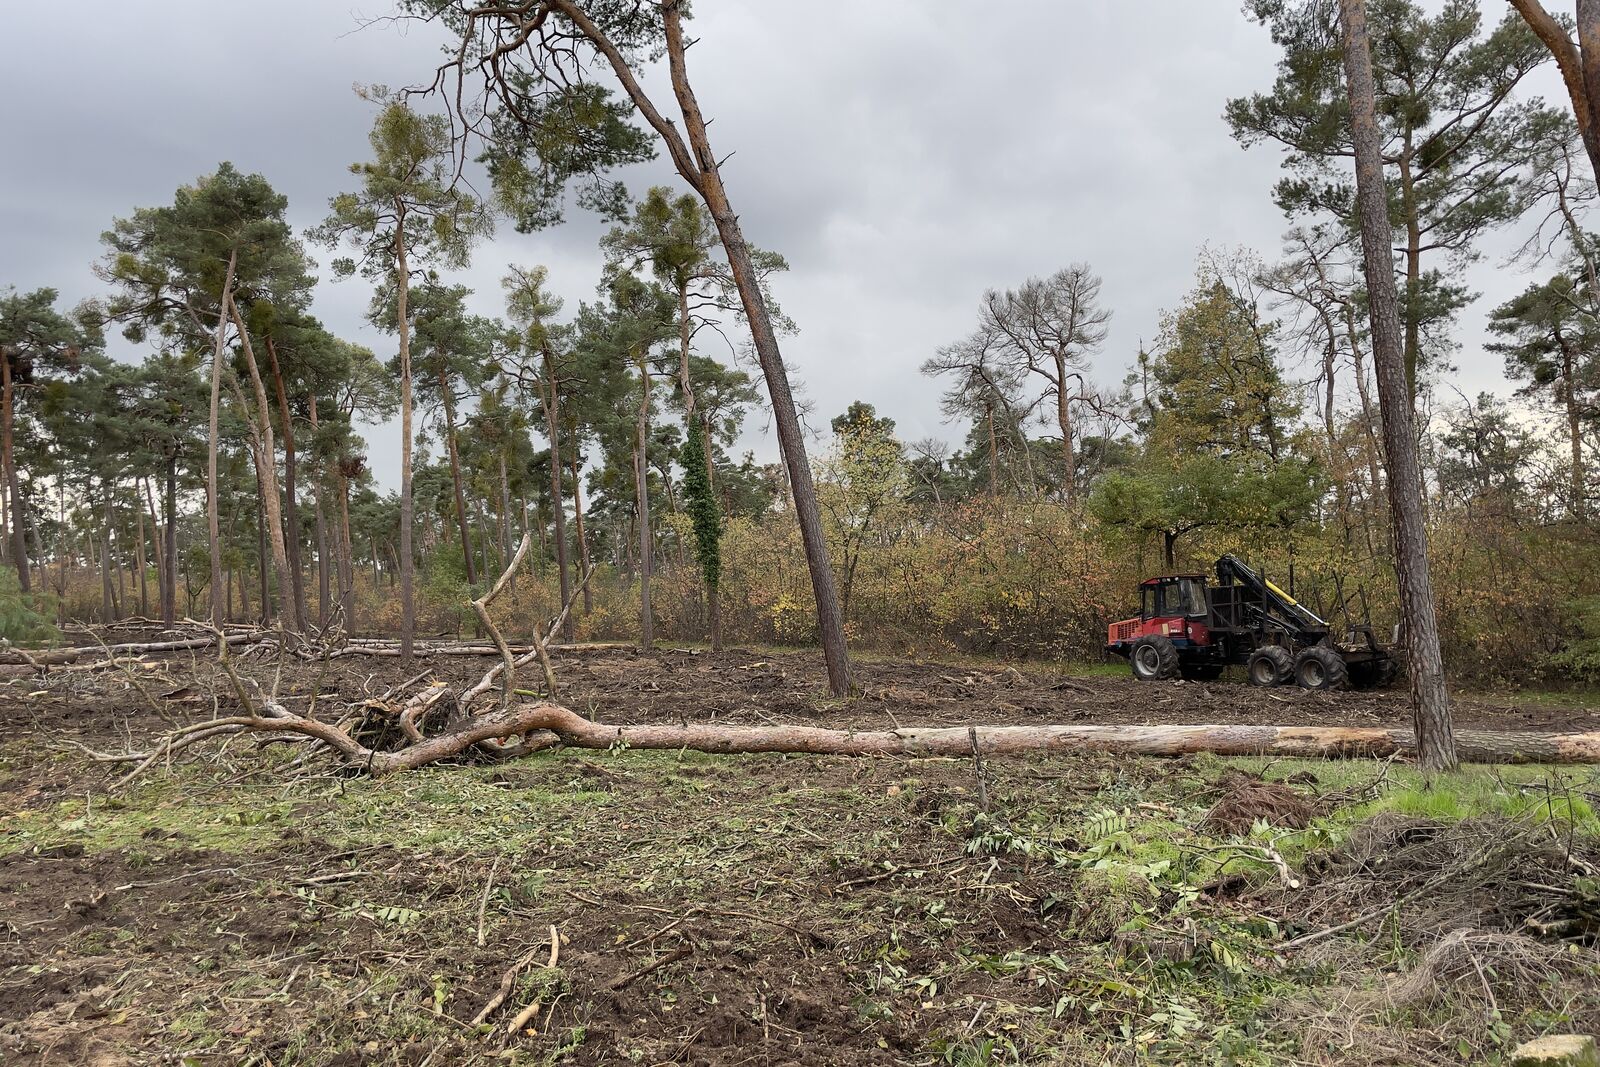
x: 1154, y: 659
x: 1203, y: 672
x: 1321, y: 667
x: 1270, y: 665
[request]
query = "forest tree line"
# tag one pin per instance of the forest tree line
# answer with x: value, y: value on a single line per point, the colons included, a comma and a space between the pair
x: 225, y: 475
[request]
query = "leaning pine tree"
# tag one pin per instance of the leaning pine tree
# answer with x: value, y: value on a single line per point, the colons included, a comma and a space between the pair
x: 548, y: 124
x: 701, y: 504
x: 1436, y: 746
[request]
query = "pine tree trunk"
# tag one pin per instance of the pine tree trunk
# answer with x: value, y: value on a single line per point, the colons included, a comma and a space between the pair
x: 1435, y: 740
x: 244, y: 592
x: 107, y: 612
x: 1580, y: 70
x: 700, y: 169
x: 714, y: 610
x: 261, y: 550
x: 19, y: 535
x: 347, y: 563
x: 319, y: 483
x: 552, y: 429
x: 583, y: 537
x: 169, y: 532
x: 505, y: 517
x: 65, y: 568
x: 119, y: 596
x: 138, y: 556
x: 213, y: 521
x: 291, y: 506
x: 1413, y: 257
x: 1064, y: 423
x: 455, y: 474
x: 157, y: 537
x: 5, y: 511
x: 696, y: 162
x: 266, y: 455
x: 1313, y: 742
x: 641, y: 481
x: 408, y: 604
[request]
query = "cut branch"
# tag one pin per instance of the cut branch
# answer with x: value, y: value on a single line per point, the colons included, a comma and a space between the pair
x: 480, y: 607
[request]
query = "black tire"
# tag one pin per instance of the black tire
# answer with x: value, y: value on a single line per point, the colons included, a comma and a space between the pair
x: 1202, y: 672
x: 1154, y: 659
x: 1270, y: 665
x: 1321, y: 667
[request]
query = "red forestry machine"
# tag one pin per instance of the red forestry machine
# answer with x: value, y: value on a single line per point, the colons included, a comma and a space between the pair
x: 1192, y: 629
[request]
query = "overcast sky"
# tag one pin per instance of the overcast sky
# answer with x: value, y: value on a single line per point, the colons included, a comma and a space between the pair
x: 904, y: 157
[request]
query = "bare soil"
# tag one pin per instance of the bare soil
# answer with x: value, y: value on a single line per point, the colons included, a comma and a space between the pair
x: 710, y: 911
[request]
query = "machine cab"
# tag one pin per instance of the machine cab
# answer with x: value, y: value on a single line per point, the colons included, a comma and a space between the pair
x: 1178, y: 596
x: 1173, y: 606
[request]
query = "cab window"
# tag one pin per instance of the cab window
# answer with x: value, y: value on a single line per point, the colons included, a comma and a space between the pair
x: 1186, y: 597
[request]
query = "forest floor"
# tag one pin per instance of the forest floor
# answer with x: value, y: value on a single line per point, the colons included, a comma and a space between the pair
x: 782, y: 910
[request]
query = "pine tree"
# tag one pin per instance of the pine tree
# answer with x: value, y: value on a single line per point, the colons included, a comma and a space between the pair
x: 406, y: 210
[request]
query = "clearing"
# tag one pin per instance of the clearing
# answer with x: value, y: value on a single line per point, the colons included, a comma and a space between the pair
x: 770, y: 909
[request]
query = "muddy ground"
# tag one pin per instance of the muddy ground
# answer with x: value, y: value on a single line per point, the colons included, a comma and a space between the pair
x: 231, y: 909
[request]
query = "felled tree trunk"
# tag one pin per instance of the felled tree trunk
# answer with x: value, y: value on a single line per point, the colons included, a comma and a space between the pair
x: 1299, y: 741
x: 55, y: 656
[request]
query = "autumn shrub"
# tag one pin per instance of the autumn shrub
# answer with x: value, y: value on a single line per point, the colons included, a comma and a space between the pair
x: 992, y: 577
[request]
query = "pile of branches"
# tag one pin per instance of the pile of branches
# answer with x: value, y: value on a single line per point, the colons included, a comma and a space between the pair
x: 1524, y: 875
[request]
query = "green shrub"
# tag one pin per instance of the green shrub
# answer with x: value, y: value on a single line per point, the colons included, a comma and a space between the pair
x: 22, y: 618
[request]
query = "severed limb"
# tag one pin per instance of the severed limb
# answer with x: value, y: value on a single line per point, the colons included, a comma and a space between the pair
x: 480, y: 607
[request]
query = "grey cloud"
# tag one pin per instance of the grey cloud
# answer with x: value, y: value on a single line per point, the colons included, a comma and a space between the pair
x: 903, y: 154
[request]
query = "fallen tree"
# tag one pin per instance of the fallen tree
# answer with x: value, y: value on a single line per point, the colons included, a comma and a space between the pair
x: 55, y: 656
x: 562, y: 725
x: 523, y: 728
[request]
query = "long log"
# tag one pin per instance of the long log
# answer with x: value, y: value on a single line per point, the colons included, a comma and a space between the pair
x: 1226, y: 740
x: 69, y: 655
x: 391, y: 650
